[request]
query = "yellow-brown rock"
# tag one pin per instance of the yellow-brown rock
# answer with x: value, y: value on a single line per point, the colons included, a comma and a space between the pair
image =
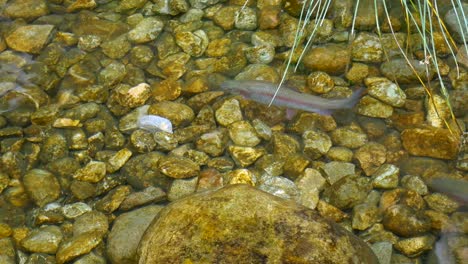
x: 431, y: 142
x: 203, y: 227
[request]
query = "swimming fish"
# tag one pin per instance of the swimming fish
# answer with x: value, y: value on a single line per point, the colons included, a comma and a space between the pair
x: 262, y: 92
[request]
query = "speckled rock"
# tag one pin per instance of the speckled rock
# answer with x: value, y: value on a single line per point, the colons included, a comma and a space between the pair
x: 331, y: 58
x: 45, y: 239
x: 431, y: 142
x: 178, y: 167
x: 179, y: 114
x: 319, y: 82
x: 127, y: 230
x: 349, y: 136
x: 386, y: 91
x: 415, y: 246
x: 116, y: 48
x: 386, y: 177
x: 242, y: 133
x: 27, y: 9
x: 369, y: 106
x: 245, y: 156
x: 371, y: 156
x: 310, y: 184
x: 441, y: 203
x: 246, y: 19
x: 367, y: 48
x: 229, y: 112
x: 405, y: 221
x: 42, y: 186
x: 336, y: 170
x: 233, y: 207
x: 348, y: 191
x: 192, y: 43
x: 92, y: 172
x: 316, y: 143
x: 29, y: 38
x: 365, y: 215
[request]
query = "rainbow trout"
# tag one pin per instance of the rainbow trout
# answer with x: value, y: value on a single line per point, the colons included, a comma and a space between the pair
x: 262, y: 92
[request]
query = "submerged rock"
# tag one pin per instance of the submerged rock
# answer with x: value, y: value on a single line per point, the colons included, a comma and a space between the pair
x: 227, y: 226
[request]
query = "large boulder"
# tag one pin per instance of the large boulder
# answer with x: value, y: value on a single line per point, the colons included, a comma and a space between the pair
x: 240, y: 224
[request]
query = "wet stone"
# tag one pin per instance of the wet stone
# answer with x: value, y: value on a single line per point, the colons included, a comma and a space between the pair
x: 405, y: 221
x: 178, y: 167
x: 367, y: 48
x: 349, y: 136
x: 431, y: 142
x: 81, y: 4
x: 386, y: 177
x: 245, y: 156
x: 239, y: 217
x: 166, y: 90
x: 441, y: 203
x: 74, y: 210
x: 364, y: 216
x: 330, y: 58
x: 262, y: 129
x: 27, y: 9
x: 357, y: 72
x: 316, y: 143
x: 369, y: 106
x: 181, y: 188
x: 42, y: 186
x: 150, y: 194
x: 336, y: 170
x: 278, y: 186
x: 29, y: 38
x: 310, y: 183
x: 45, y: 239
x: 192, y: 43
x: 415, y: 246
x: 386, y: 91
x: 165, y: 141
x: 228, y: 113
x: 126, y: 233
x: 284, y: 145
x: 294, y: 165
x: 312, y: 121
x: 415, y: 183
x: 398, y: 70
x: 146, y: 30
x: 371, y: 156
x: 243, y: 134
x: 92, y: 221
x: 77, y: 246
x: 116, y: 48
x: 178, y: 113
x: 92, y: 172
x: 348, y: 191
x: 225, y: 17
x: 263, y: 54
x: 452, y: 21
x: 340, y: 154
x: 319, y: 82
x: 246, y: 19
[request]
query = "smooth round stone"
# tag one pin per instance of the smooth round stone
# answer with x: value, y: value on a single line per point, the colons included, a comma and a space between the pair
x: 254, y: 224
x: 126, y: 233
x: 179, y: 114
x: 178, y: 167
x: 43, y: 240
x: 42, y: 186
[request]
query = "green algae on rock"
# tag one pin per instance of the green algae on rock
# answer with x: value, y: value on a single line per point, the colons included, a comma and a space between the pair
x: 239, y: 224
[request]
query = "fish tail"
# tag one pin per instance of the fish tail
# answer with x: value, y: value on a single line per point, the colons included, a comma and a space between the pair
x: 352, y: 101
